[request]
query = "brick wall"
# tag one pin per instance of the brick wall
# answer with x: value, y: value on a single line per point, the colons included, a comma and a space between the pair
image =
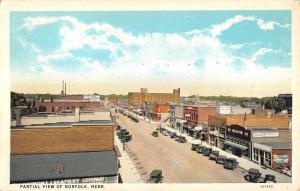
x: 70, y: 105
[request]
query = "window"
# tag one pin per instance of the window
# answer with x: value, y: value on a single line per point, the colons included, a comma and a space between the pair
x: 267, y: 159
x: 60, y: 169
x: 255, y: 152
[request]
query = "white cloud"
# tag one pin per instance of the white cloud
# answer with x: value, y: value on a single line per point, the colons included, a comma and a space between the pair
x: 216, y: 30
x: 172, y: 56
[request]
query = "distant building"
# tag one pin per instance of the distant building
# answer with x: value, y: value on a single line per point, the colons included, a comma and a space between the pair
x: 64, y: 152
x: 140, y: 98
x: 70, y: 102
x: 194, y: 115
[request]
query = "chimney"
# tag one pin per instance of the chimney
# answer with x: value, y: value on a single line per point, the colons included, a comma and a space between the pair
x: 65, y: 88
x: 63, y: 92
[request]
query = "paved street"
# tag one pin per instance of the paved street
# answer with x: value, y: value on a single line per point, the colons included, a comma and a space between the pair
x: 178, y: 163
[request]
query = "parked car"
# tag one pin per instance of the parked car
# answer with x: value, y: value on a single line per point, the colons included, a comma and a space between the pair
x: 154, y: 133
x: 126, y: 138
x: 214, y: 155
x: 182, y: 139
x: 253, y: 175
x: 221, y: 159
x: 231, y: 163
x: 195, y: 147
x: 121, y: 135
x: 156, y: 176
x: 269, y: 179
x: 173, y: 134
x: 200, y: 149
x: 169, y: 132
x: 121, y: 131
x: 206, y: 151
x: 165, y: 133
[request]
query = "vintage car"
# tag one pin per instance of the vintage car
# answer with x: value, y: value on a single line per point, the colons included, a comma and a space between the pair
x: 231, y: 163
x: 173, y: 134
x: 253, y: 175
x: 154, y: 133
x: 156, y: 176
x: 181, y: 139
x: 206, y: 151
x: 126, y: 138
x: 221, y: 159
x: 214, y: 155
x: 200, y: 149
x: 269, y: 179
x: 121, y: 131
x: 122, y: 134
x: 195, y: 147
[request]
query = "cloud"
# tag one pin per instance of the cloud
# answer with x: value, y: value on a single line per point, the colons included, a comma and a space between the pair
x: 194, y: 57
x: 216, y: 30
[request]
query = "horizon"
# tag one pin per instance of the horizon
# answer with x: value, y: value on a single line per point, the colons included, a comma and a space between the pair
x: 210, y: 53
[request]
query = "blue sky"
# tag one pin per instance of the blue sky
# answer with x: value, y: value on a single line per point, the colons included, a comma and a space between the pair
x: 121, y: 51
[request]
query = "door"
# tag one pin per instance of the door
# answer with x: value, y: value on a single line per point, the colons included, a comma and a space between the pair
x: 262, y: 159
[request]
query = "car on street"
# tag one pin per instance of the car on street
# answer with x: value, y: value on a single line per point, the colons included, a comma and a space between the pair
x: 200, y: 149
x: 253, y: 175
x: 154, y: 133
x: 173, y: 135
x: 231, y: 163
x: 269, y: 179
x: 194, y: 147
x: 156, y: 176
x: 165, y: 133
x: 214, y: 155
x: 221, y: 159
x: 181, y: 139
x: 206, y: 151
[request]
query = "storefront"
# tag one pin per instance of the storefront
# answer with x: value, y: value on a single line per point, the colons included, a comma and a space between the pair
x: 237, y: 141
x: 273, y: 154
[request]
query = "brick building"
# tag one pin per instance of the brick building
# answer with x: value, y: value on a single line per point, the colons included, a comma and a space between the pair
x: 140, y: 98
x: 158, y: 110
x: 197, y: 114
x: 70, y: 102
x: 64, y: 152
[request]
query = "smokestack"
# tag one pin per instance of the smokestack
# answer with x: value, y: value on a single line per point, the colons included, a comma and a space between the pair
x: 65, y: 88
x: 63, y: 92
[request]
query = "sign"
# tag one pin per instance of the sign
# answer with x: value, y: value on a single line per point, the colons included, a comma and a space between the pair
x: 280, y: 159
x: 188, y: 115
x: 265, y: 134
x: 92, y: 97
x: 223, y: 109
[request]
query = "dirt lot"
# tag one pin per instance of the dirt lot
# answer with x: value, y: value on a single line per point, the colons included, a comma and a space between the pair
x: 178, y: 163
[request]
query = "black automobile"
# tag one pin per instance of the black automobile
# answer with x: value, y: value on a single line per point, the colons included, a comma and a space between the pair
x: 206, y: 151
x: 231, y: 163
x: 182, y: 139
x: 269, y: 179
x: 126, y: 138
x: 121, y: 131
x: 173, y: 135
x: 169, y: 132
x: 200, y: 149
x: 194, y: 147
x: 123, y: 134
x: 221, y: 159
x: 156, y: 176
x: 253, y: 175
x: 214, y: 155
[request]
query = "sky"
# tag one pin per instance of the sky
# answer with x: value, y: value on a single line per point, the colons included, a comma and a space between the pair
x: 237, y: 53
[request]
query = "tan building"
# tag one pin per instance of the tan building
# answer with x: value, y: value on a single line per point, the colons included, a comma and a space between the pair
x: 139, y: 98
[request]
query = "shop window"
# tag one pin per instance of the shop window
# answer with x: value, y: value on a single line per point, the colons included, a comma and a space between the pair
x: 267, y: 159
x: 255, y: 152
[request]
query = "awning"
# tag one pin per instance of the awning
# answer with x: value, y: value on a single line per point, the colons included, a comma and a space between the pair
x: 235, y: 145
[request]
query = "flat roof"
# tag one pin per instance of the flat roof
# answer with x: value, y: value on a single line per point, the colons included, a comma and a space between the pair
x: 41, y: 167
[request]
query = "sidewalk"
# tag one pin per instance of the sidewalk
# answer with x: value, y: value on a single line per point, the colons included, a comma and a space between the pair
x: 243, y: 163
x: 127, y: 170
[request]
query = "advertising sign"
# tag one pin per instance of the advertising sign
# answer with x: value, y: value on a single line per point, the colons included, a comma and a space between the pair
x: 265, y: 134
x: 92, y: 97
x: 280, y: 159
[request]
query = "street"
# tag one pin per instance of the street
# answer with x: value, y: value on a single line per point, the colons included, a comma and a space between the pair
x: 176, y: 160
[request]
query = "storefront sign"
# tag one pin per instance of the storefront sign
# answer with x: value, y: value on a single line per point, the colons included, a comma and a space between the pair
x: 92, y: 97
x: 265, y: 134
x: 280, y: 159
x: 224, y: 109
